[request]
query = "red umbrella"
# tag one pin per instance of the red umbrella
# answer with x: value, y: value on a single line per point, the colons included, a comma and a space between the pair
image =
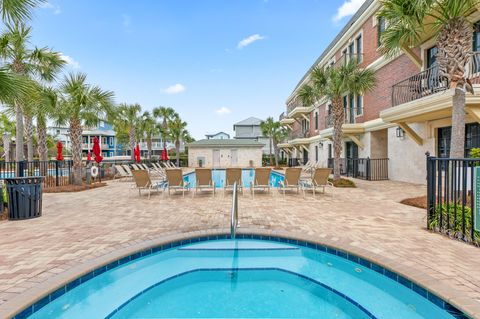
x: 164, y: 154
x: 136, y: 154
x: 59, y: 151
x: 89, y: 156
x: 96, y: 150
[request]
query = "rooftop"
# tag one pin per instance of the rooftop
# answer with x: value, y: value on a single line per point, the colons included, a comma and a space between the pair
x: 225, y: 143
x: 250, y: 121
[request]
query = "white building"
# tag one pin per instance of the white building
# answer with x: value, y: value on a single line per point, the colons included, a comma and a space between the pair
x: 218, y: 136
x: 249, y: 129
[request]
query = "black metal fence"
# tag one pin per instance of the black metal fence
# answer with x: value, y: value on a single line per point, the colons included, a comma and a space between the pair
x: 370, y: 169
x: 59, y: 173
x: 451, y: 199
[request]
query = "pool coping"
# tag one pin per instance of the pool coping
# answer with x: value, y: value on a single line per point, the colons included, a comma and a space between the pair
x: 342, y: 248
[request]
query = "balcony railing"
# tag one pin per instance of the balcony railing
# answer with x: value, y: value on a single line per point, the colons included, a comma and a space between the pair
x: 282, y: 116
x: 299, y: 134
x: 350, y: 117
x: 429, y: 82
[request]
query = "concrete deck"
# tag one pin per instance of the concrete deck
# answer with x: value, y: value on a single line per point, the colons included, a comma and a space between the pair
x: 82, y: 228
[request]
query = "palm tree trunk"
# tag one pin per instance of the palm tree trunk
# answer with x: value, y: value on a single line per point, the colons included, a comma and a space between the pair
x: 76, y: 141
x: 132, y: 142
x: 271, y: 160
x: 338, y: 119
x: 149, y: 147
x: 42, y: 140
x: 6, y: 146
x: 19, y: 133
x: 177, y: 152
x: 29, y: 136
x: 275, y: 153
x: 457, y: 142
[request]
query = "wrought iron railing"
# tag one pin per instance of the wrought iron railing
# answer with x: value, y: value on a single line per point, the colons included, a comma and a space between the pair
x: 451, y: 201
x: 299, y: 134
x: 350, y: 117
x: 429, y: 82
x: 370, y: 169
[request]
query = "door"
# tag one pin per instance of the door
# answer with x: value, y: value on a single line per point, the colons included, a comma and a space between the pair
x: 305, y: 156
x: 233, y: 158
x: 216, y: 158
x: 351, y: 155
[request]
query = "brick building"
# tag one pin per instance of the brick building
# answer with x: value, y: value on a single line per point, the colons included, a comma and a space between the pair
x: 407, y: 114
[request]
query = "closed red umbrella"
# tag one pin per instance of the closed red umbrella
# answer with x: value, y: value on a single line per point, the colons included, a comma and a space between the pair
x: 89, y: 156
x: 136, y: 153
x: 59, y: 151
x: 96, y: 150
x: 164, y: 154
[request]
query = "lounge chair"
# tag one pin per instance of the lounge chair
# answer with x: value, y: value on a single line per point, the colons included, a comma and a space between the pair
x: 136, y: 167
x: 143, y: 181
x: 319, y: 180
x: 204, y: 180
x: 311, y: 166
x: 127, y: 169
x: 292, y: 179
x: 175, y: 181
x: 233, y: 175
x: 261, y: 180
x: 122, y: 172
x: 144, y: 166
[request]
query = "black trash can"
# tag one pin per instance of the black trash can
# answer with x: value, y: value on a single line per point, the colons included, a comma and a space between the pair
x: 24, y: 197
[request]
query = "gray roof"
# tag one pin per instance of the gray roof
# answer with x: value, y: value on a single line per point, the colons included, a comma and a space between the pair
x: 218, y: 133
x: 248, y: 122
x: 225, y: 143
x: 350, y: 22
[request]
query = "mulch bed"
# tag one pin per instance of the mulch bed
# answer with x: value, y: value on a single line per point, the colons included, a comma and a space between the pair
x: 343, y: 182
x: 73, y: 188
x: 420, y: 202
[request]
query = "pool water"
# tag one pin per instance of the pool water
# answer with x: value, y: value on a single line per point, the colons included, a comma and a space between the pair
x: 241, y: 278
x: 218, y: 177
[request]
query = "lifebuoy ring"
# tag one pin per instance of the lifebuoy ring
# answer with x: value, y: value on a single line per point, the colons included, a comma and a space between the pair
x: 94, y: 171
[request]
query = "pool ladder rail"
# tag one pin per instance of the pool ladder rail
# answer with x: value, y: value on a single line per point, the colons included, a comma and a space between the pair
x: 234, y: 212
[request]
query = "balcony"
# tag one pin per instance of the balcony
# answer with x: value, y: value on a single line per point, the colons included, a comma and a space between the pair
x: 350, y: 117
x: 429, y: 82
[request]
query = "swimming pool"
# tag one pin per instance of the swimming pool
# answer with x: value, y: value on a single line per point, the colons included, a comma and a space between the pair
x: 243, y: 278
x: 218, y: 177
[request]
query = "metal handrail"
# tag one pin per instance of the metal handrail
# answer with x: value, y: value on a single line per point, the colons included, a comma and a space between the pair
x: 234, y: 213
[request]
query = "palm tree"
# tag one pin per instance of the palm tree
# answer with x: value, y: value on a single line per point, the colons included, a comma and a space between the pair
x: 40, y: 63
x: 334, y: 83
x: 267, y: 127
x: 279, y: 134
x: 128, y: 119
x: 167, y: 114
x: 45, y: 108
x: 17, y: 10
x: 81, y: 104
x: 7, y: 129
x: 453, y: 33
x: 178, y: 133
x: 150, y: 128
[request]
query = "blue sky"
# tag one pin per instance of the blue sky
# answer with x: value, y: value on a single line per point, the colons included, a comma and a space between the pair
x: 215, y: 61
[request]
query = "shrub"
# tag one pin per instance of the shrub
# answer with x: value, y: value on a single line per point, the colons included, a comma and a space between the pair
x: 342, y: 182
x: 451, y: 212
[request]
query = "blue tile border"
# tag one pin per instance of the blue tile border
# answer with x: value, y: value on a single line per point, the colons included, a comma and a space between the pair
x: 338, y: 293
x: 454, y: 311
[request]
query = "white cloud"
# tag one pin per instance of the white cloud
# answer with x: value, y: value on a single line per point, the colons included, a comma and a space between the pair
x: 249, y: 40
x: 48, y: 5
x: 174, y: 89
x: 348, y: 8
x: 70, y: 61
x: 223, y: 111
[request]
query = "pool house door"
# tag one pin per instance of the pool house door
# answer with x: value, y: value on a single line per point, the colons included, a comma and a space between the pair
x: 233, y: 158
x: 216, y: 158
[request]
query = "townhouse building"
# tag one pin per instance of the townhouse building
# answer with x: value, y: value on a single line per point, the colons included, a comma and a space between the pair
x: 407, y: 114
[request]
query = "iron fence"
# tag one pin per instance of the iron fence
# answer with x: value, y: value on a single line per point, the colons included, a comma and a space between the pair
x: 451, y: 200
x: 370, y: 169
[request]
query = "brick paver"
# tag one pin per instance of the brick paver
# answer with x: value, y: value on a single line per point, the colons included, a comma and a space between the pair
x: 78, y: 227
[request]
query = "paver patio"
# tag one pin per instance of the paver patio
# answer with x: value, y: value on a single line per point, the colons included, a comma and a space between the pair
x: 78, y: 227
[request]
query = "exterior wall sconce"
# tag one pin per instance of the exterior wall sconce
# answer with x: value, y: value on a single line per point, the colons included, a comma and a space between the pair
x: 400, y: 132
